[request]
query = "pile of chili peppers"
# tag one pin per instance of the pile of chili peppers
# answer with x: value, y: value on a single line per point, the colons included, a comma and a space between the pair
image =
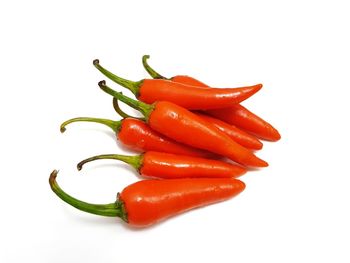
x: 195, y: 140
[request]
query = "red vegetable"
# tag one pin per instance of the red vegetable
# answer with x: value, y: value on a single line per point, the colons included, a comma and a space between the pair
x: 248, y: 121
x: 170, y: 166
x: 235, y: 115
x: 184, y: 126
x: 239, y: 136
x: 148, y: 201
x: 189, y: 97
x: 138, y: 136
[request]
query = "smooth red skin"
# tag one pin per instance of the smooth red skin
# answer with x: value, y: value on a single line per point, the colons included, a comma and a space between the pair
x: 243, y: 138
x: 138, y: 136
x: 245, y: 119
x: 172, y: 166
x: 239, y: 136
x: 150, y: 201
x: 237, y: 115
x: 186, y: 127
x: 193, y: 97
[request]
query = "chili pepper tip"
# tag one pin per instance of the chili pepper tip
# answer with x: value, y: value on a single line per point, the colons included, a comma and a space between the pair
x: 95, y: 62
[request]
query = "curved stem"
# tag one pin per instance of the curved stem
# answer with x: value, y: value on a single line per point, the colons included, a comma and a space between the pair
x: 116, y: 209
x: 134, y: 161
x: 144, y: 108
x: 114, y: 125
x: 121, y: 112
x: 133, y: 86
x: 154, y: 74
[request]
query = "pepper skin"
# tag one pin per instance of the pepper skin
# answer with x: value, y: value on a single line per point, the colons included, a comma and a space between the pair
x: 189, y: 97
x: 150, y: 201
x: 137, y: 135
x: 172, y: 166
x: 147, y: 202
x: 193, y: 98
x: 248, y: 121
x: 186, y: 127
x: 239, y: 136
x: 236, y: 115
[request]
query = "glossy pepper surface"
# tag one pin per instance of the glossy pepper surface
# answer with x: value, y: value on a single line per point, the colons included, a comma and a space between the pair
x: 171, y: 166
x: 235, y: 115
x: 137, y: 135
x: 186, y: 127
x: 245, y: 139
x: 248, y: 121
x: 189, y: 97
x: 147, y: 202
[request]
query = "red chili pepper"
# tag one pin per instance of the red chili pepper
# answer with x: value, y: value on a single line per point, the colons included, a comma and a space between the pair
x: 235, y: 115
x: 184, y: 126
x: 146, y: 202
x: 245, y: 119
x: 239, y: 136
x: 138, y: 136
x: 189, y: 97
x: 170, y: 166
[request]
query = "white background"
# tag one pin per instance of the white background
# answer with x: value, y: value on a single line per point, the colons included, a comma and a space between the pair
x: 295, y: 210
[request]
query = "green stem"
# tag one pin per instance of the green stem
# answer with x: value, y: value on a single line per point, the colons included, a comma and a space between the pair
x: 154, y: 74
x: 144, y: 108
x: 114, y: 125
x: 134, y: 161
x: 133, y: 86
x: 116, y: 209
x: 121, y: 112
